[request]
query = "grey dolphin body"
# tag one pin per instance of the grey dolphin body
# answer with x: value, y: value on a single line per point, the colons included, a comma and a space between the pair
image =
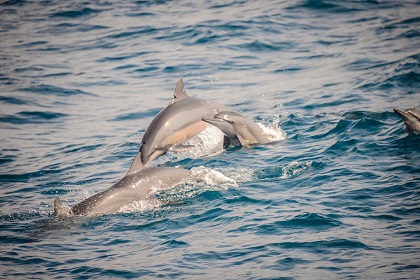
x: 240, y: 130
x: 179, y: 121
x: 137, y: 184
x: 411, y: 119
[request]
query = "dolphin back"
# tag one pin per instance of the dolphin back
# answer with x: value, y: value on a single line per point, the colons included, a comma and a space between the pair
x: 133, y: 187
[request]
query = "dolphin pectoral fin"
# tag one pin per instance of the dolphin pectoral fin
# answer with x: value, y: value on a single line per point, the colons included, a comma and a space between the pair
x: 179, y: 92
x: 61, y: 210
x: 212, y: 120
x: 226, y: 142
x: 136, y: 166
x: 180, y: 148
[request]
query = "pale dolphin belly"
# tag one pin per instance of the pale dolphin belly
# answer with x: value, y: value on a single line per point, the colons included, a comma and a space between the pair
x: 178, y: 122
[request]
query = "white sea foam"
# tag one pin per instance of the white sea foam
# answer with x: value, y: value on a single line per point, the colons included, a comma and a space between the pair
x: 211, y: 177
x: 273, y: 130
x: 141, y: 205
x: 238, y: 174
x: 202, y: 179
x: 208, y: 142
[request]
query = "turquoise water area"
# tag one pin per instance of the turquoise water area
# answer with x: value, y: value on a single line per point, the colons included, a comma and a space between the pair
x: 336, y: 197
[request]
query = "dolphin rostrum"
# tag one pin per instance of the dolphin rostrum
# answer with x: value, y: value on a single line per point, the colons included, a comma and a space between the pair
x: 179, y: 121
x: 240, y: 130
x: 411, y: 119
x: 137, y: 184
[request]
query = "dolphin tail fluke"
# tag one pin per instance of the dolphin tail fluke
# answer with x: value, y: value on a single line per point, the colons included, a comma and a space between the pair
x: 61, y: 210
x: 136, y: 166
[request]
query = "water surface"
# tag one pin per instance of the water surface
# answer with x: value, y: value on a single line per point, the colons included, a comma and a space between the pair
x: 337, y: 198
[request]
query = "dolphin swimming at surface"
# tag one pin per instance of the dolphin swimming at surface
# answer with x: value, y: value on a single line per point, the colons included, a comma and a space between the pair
x: 411, y: 119
x: 179, y: 121
x: 136, y: 185
x: 240, y: 130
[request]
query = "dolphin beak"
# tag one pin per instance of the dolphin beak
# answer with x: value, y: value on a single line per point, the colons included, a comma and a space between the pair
x: 152, y: 155
x: 403, y: 114
x: 399, y: 112
x: 213, y: 120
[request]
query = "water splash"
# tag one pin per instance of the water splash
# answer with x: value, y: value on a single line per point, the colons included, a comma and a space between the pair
x: 141, y: 206
x: 202, y: 179
x: 208, y: 142
x: 295, y: 168
x: 238, y: 174
x: 212, y: 177
x: 273, y: 130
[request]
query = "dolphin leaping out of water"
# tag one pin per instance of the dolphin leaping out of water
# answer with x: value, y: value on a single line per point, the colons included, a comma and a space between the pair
x: 179, y: 121
x: 137, y: 184
x: 411, y: 119
x: 240, y: 130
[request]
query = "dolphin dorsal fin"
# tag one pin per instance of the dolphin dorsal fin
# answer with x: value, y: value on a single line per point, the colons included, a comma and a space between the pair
x: 136, y: 166
x: 179, y: 92
x: 57, y: 206
x: 61, y: 210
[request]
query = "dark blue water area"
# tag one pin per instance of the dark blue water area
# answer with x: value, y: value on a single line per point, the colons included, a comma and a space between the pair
x: 337, y: 198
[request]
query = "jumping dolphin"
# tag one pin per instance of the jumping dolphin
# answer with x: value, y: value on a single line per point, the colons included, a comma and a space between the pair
x: 137, y: 184
x: 411, y: 119
x: 179, y: 121
x: 240, y: 130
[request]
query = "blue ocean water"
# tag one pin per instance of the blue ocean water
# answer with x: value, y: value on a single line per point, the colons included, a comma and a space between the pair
x: 338, y: 198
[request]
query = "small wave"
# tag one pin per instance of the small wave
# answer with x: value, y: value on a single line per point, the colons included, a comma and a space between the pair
x: 305, y: 221
x: 53, y: 90
x: 135, y: 33
x: 323, y: 246
x: 63, y: 28
x: 258, y: 46
x: 13, y: 100
x: 400, y: 73
x: 136, y: 115
x: 290, y: 170
x: 338, y: 7
x: 294, y: 168
x: 82, y: 12
x: 310, y: 220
